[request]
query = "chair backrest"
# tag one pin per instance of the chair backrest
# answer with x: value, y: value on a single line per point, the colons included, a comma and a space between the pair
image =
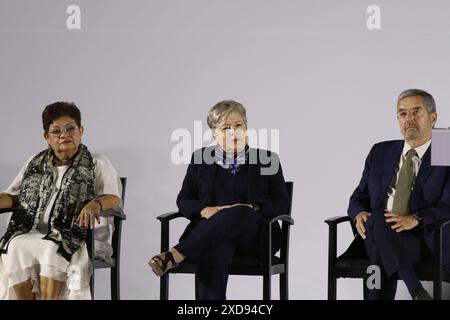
x: 115, y: 244
x: 115, y: 241
x: 123, y: 180
x: 284, y: 250
x: 290, y: 188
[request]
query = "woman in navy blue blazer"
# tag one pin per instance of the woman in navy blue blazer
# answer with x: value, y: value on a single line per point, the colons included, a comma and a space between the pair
x: 227, y: 190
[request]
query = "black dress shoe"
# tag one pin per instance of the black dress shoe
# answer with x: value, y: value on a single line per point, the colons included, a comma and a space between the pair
x: 420, y: 293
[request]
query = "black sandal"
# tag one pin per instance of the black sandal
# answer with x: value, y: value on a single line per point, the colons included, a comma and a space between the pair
x: 160, y: 265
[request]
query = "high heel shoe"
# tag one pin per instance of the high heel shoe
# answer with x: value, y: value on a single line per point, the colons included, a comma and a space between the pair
x: 160, y: 263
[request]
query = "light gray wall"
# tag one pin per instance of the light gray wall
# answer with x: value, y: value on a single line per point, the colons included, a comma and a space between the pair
x: 140, y: 69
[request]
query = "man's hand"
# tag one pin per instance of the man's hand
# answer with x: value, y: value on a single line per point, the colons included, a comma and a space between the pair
x: 402, y: 222
x: 360, y: 222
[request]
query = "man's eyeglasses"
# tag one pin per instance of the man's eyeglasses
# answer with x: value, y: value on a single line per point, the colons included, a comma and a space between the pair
x: 70, y: 130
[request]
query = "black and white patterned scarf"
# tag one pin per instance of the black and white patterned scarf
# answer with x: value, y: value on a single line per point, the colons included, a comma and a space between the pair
x: 77, y: 188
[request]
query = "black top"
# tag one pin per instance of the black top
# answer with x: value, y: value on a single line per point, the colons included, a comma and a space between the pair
x: 265, y: 188
x: 230, y: 188
x: 208, y: 184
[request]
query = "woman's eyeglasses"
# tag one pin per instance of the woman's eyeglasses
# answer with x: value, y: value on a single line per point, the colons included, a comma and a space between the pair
x: 70, y: 130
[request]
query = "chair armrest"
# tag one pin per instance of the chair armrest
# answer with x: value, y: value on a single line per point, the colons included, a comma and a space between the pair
x: 267, y: 237
x: 287, y: 221
x: 332, y: 238
x: 166, y: 217
x: 441, y: 225
x: 438, y: 243
x: 117, y: 213
x: 438, y: 259
x: 336, y: 220
x: 90, y: 243
x: 284, y: 217
x: 269, y: 221
x: 6, y: 210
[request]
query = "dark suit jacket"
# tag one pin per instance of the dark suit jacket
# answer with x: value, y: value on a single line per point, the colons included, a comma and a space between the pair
x: 197, y: 191
x: 430, y: 197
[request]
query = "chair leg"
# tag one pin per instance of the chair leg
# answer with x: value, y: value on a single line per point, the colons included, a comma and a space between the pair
x: 91, y: 285
x: 365, y: 290
x: 197, y: 295
x: 164, y: 287
x: 115, y: 283
x: 266, y: 286
x: 284, y: 293
x: 332, y: 282
x: 437, y: 287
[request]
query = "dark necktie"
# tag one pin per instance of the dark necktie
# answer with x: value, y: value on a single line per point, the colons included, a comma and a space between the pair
x: 402, y: 203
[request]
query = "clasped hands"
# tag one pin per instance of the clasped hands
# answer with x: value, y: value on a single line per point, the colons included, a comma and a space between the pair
x: 208, y: 212
x: 398, y: 222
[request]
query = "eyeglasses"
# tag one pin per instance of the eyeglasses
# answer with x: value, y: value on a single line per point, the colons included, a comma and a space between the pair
x: 70, y: 130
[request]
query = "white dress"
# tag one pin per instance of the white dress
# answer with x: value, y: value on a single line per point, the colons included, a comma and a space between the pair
x: 29, y: 256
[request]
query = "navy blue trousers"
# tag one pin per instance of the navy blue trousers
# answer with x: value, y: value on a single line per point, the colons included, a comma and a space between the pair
x: 213, y: 243
x: 390, y: 250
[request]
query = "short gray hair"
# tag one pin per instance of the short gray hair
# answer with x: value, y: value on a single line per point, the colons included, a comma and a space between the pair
x: 428, y: 99
x: 222, y: 110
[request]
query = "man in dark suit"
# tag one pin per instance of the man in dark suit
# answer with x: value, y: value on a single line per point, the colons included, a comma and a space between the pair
x: 400, y: 196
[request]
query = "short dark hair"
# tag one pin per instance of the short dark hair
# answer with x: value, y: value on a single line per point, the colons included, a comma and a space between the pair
x: 60, y: 109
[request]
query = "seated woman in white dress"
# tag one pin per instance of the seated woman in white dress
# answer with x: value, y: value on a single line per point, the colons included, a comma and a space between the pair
x: 61, y: 191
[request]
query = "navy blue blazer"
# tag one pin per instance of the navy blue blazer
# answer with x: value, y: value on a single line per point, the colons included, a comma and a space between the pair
x: 430, y: 197
x: 197, y: 191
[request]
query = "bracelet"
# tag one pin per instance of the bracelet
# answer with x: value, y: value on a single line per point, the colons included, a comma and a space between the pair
x: 99, y: 203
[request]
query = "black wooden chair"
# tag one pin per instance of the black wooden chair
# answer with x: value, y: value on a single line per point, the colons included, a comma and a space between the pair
x: 353, y: 262
x: 266, y: 267
x: 114, y: 265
